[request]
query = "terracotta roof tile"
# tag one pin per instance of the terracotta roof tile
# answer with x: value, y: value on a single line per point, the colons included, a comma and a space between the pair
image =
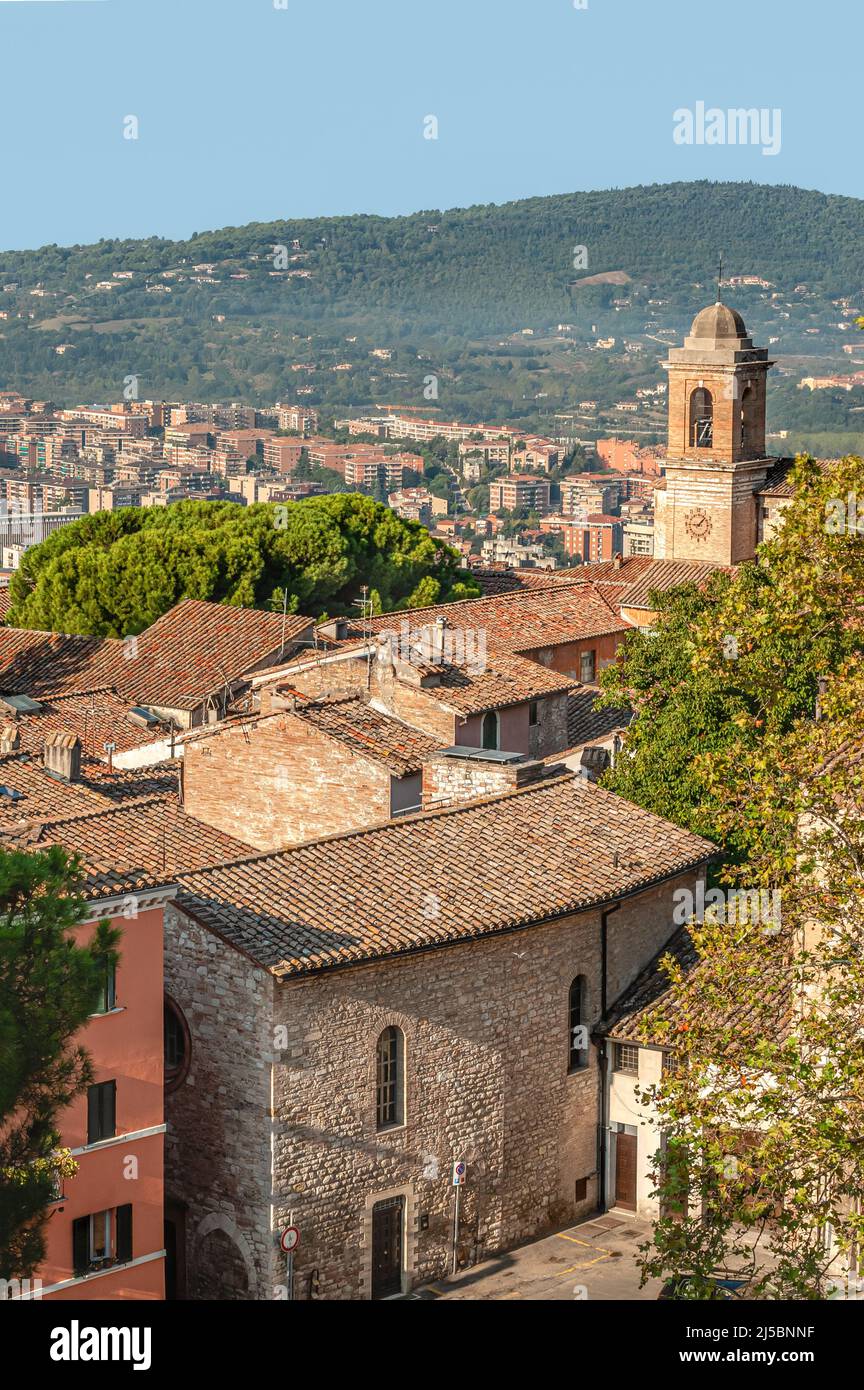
x: 96, y: 716
x: 436, y: 878
x: 195, y: 648
x: 370, y: 733
x: 585, y: 723
x: 137, y: 846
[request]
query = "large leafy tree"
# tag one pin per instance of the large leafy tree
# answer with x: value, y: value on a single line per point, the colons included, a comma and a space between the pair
x: 740, y: 660
x: 114, y: 573
x: 762, y: 677
x: 764, y: 1114
x: 49, y: 986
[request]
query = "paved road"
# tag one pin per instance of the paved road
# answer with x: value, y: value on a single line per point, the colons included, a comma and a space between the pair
x: 595, y: 1260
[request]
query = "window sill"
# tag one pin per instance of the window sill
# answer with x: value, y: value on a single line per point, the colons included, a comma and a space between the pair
x: 106, y: 1013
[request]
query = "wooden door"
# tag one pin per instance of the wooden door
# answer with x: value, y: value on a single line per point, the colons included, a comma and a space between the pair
x: 387, y: 1247
x: 625, y: 1171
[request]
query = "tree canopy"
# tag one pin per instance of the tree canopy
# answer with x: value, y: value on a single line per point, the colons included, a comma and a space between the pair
x: 749, y: 700
x: 114, y: 573
x: 49, y: 986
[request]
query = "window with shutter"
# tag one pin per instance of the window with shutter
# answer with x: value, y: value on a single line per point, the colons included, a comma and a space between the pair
x: 101, y: 1111
x: 124, y: 1233
x: 81, y: 1245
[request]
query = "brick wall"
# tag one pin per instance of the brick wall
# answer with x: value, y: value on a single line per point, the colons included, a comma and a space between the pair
x: 449, y: 781
x: 278, y: 781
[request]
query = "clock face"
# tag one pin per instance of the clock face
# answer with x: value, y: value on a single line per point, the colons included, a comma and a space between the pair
x: 697, y: 524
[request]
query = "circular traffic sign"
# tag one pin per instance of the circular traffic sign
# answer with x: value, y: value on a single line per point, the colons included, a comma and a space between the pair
x: 289, y: 1239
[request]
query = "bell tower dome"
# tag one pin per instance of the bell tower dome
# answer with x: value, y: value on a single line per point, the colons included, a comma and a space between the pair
x: 716, y: 459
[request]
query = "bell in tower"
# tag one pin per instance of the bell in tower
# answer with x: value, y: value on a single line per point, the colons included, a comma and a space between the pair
x: 716, y: 458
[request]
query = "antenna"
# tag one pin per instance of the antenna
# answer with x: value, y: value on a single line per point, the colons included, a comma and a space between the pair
x: 719, y: 277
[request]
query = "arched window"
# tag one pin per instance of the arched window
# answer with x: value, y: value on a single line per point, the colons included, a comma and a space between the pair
x: 390, y: 1079
x: 578, y: 1044
x: 178, y: 1045
x: 701, y: 419
x: 490, y: 729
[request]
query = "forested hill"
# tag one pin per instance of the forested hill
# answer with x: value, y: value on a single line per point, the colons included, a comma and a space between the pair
x: 216, y: 313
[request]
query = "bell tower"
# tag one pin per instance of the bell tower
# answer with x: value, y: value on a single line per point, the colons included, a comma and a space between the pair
x: 716, y: 458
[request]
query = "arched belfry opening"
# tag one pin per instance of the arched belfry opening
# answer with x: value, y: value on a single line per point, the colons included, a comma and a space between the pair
x: 701, y: 431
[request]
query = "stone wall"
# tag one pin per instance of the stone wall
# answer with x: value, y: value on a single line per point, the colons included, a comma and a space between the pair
x: 486, y: 1031
x: 217, y: 1148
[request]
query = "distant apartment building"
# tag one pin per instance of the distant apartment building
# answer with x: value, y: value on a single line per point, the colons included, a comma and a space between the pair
x: 518, y: 491
x: 484, y: 451
x: 531, y: 452
x: 579, y: 496
x: 628, y: 456
x: 297, y: 417
x: 604, y: 538
x: 417, y: 504
x: 638, y: 536
x: 283, y: 455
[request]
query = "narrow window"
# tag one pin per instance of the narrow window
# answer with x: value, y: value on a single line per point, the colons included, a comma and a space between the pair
x: 124, y: 1233
x: 177, y: 1045
x: 490, y: 729
x: 578, y: 1026
x: 101, y: 1111
x: 108, y: 993
x: 100, y: 1237
x: 627, y: 1059
x: 587, y: 667
x: 389, y: 1078
x: 532, y: 712
x: 701, y: 419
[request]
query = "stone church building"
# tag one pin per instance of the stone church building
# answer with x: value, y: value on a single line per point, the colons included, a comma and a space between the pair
x: 361, y: 1012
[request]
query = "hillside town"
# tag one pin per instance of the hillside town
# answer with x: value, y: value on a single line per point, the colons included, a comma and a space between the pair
x: 385, y: 939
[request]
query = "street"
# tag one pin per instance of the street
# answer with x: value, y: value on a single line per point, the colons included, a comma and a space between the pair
x: 595, y: 1260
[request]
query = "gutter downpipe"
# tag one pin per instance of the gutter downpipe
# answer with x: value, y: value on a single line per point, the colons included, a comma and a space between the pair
x: 603, y: 1122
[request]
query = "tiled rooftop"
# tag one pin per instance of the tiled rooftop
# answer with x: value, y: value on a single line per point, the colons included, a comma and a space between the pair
x: 195, y: 648
x: 507, y: 680
x: 631, y: 1017
x: 43, y: 663
x: 134, y: 847
x: 96, y: 716
x: 192, y: 651
x: 43, y: 795
x: 517, y: 622
x: 371, y: 734
x: 586, y: 723
x: 437, y: 878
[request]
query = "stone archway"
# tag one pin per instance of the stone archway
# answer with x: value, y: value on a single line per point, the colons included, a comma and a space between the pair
x: 223, y: 1267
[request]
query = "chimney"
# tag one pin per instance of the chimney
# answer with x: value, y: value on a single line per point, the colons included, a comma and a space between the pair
x: 10, y: 739
x: 457, y: 775
x: 62, y: 756
x: 617, y: 562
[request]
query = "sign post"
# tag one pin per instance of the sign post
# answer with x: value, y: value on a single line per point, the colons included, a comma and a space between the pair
x: 458, y: 1180
x: 289, y: 1241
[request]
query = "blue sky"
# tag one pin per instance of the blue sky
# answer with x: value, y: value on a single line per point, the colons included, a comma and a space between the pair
x: 248, y: 112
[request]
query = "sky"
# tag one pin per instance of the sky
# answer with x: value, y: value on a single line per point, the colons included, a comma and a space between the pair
x: 253, y: 110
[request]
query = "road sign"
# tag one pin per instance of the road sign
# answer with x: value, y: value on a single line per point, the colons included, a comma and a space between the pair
x: 289, y: 1239
x: 458, y: 1173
